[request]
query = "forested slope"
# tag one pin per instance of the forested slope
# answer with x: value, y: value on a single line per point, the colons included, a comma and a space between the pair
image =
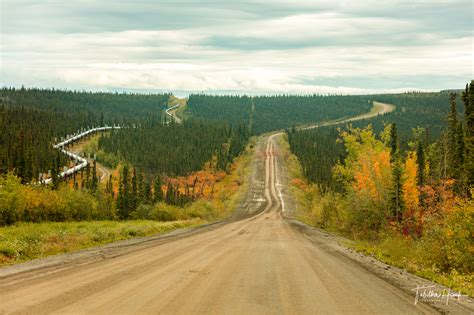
x: 31, y: 119
x: 177, y: 149
x: 268, y: 113
x: 426, y: 110
x: 280, y: 112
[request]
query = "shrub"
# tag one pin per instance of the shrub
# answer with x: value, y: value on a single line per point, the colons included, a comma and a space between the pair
x: 19, y: 203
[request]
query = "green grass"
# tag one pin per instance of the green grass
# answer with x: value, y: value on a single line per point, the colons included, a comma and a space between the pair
x: 413, y: 256
x: 26, y: 241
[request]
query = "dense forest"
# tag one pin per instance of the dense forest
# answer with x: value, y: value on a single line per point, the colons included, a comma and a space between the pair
x: 413, y: 201
x: 31, y: 120
x: 280, y: 112
x: 426, y: 110
x: 268, y: 113
x: 234, y: 110
x: 94, y: 108
x: 177, y: 149
x: 318, y: 152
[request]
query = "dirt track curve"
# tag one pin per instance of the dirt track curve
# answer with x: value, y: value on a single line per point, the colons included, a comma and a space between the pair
x: 259, y: 264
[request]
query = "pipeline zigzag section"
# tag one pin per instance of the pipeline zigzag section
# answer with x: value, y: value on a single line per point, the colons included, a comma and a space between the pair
x: 82, y: 161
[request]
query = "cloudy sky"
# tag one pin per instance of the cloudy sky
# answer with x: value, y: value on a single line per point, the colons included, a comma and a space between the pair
x: 257, y: 47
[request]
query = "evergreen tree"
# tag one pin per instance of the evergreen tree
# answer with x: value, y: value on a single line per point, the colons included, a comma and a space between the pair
x: 147, y: 195
x: 468, y: 100
x: 95, y: 179
x: 397, y: 204
x: 454, y: 163
x: 54, y: 177
x: 169, y: 198
x: 158, y: 191
x: 459, y: 158
x: 134, y: 194
x: 75, y: 185
x: 124, y: 200
x: 393, y: 143
x: 109, y: 187
x: 88, y: 176
x: 141, y: 187
x: 120, y: 202
x: 420, y: 160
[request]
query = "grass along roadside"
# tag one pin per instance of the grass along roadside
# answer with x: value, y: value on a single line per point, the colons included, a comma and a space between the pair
x: 330, y: 212
x: 26, y: 241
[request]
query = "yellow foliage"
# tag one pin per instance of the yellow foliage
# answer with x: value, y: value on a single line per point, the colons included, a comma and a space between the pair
x: 411, y: 194
x: 372, y: 174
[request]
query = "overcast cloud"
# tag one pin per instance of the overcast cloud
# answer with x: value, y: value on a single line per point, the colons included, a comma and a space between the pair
x: 237, y: 47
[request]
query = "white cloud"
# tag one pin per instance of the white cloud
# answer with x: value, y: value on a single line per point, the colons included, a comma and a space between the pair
x: 311, y: 50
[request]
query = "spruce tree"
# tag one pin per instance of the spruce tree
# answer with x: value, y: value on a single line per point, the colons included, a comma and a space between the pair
x: 468, y: 100
x: 134, y: 196
x: 420, y: 161
x: 147, y: 196
x: 120, y: 202
x: 393, y: 143
x: 454, y: 164
x: 158, y: 195
x: 141, y: 187
x: 54, y: 176
x: 95, y: 179
x: 88, y: 175
x: 396, y: 204
x: 459, y: 158
x: 75, y: 185
x: 126, y: 202
x: 169, y: 198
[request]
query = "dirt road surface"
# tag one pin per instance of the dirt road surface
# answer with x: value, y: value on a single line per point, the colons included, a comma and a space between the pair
x: 257, y: 264
x: 103, y: 171
x: 377, y: 109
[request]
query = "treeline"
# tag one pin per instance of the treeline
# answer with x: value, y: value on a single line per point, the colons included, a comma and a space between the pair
x: 137, y: 192
x: 268, y: 113
x: 177, y: 149
x: 382, y: 191
x: 137, y: 197
x: 284, y: 111
x: 426, y: 110
x: 95, y: 108
x: 31, y: 120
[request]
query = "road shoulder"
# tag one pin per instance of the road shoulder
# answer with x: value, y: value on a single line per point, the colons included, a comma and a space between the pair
x: 405, y: 281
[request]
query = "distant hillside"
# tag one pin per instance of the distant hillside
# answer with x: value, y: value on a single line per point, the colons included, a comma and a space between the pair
x: 30, y: 120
